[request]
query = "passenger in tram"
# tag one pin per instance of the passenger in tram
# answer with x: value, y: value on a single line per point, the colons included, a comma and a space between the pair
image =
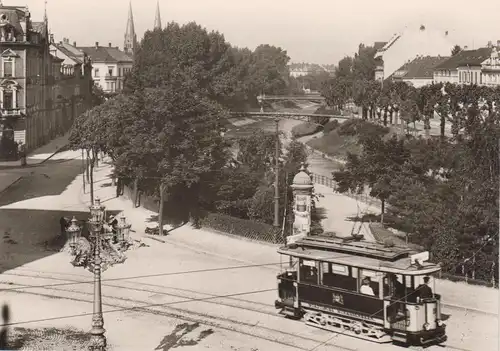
x: 398, y: 288
x: 366, y: 288
x: 424, y: 291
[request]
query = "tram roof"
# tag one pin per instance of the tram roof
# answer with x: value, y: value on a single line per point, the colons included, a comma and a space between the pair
x: 359, y: 254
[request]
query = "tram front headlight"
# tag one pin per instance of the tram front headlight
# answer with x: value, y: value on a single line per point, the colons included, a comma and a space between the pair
x: 427, y: 326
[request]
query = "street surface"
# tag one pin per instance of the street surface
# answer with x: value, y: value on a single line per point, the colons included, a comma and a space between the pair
x: 188, y: 278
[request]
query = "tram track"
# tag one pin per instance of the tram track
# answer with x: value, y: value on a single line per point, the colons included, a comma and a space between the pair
x: 192, y: 316
x: 277, y: 336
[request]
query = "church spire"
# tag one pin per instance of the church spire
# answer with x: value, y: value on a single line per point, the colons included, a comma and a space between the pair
x: 130, y: 37
x: 157, y: 16
x: 45, y: 18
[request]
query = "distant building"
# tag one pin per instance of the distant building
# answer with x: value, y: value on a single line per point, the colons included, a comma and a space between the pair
x: 39, y: 98
x: 490, y: 68
x: 407, y: 45
x: 109, y: 66
x: 418, y: 72
x: 467, y: 67
x: 304, y: 69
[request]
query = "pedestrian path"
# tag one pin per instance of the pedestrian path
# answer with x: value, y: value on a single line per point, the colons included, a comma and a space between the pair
x: 40, y: 154
x: 225, y: 246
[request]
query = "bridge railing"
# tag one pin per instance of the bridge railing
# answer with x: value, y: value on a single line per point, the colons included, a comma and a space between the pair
x: 330, y: 183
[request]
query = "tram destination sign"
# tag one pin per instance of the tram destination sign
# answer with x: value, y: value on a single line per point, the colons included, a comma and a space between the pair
x: 339, y: 312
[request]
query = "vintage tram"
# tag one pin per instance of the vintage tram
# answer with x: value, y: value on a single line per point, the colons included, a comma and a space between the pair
x: 363, y: 289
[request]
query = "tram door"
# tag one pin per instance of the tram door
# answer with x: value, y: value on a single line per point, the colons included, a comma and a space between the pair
x: 395, y: 312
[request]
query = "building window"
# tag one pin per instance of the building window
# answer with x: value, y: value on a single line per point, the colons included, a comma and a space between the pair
x: 8, y: 99
x: 8, y: 67
x: 96, y: 72
x: 110, y: 71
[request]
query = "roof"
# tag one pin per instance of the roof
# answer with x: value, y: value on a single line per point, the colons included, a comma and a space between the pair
x: 106, y: 54
x: 379, y: 44
x: 464, y: 58
x: 392, y: 260
x: 69, y: 53
x: 56, y: 59
x: 421, y: 67
x: 38, y: 27
x: 13, y: 15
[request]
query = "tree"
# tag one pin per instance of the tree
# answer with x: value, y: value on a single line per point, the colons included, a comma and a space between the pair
x: 344, y: 68
x: 337, y: 92
x: 456, y: 49
x: 269, y: 70
x: 187, y: 56
x: 379, y: 162
x: 363, y: 64
x: 257, y: 151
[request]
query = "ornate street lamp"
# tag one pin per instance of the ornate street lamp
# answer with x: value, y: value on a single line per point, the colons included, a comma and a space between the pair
x: 73, y: 233
x: 97, y: 211
x: 97, y: 338
x: 96, y: 255
x: 123, y: 230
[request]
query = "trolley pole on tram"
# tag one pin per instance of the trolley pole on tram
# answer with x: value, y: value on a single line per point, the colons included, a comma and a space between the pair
x: 276, y: 178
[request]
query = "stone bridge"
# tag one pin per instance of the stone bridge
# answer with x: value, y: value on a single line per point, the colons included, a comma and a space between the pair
x: 306, y: 97
x: 304, y: 117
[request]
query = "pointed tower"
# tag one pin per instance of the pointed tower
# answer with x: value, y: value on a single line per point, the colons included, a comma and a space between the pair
x: 130, y: 37
x: 157, y: 16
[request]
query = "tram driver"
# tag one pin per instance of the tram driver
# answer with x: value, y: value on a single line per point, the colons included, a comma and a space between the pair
x: 365, y: 287
x: 424, y: 291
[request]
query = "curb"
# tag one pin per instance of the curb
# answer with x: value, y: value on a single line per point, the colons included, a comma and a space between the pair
x: 10, y: 185
x: 61, y: 149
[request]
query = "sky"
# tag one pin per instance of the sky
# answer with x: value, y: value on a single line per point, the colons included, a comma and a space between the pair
x: 315, y: 31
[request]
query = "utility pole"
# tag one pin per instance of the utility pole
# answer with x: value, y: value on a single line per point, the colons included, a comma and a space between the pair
x: 276, y: 178
x: 160, y: 210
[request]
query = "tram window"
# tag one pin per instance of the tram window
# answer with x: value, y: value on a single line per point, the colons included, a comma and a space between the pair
x: 308, y: 272
x: 335, y: 275
x: 370, y: 278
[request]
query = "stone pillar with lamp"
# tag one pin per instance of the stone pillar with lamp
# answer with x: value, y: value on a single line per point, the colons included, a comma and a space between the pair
x: 302, y: 193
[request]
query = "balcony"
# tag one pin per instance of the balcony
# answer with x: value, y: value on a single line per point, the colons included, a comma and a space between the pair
x: 110, y: 77
x: 10, y: 111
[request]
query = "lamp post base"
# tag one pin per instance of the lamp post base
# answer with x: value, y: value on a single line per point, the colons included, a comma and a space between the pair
x: 97, y: 340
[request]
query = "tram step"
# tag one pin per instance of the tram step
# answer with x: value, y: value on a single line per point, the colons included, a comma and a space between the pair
x: 399, y: 336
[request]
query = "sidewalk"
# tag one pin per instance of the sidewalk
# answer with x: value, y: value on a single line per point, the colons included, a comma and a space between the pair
x: 40, y: 154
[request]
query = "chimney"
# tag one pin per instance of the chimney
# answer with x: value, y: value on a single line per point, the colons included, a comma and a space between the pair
x: 66, y: 40
x: 109, y: 44
x: 52, y: 38
x: 96, y: 44
x: 74, y: 44
x: 490, y: 45
x: 466, y: 47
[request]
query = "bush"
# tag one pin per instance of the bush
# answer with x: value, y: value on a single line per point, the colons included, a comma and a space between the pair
x: 320, y: 120
x: 361, y: 128
x: 334, y: 144
x: 325, y: 110
x: 304, y: 129
x: 330, y: 126
x: 242, y: 227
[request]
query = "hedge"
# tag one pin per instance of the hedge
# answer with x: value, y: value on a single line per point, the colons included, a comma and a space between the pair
x: 332, y: 125
x: 304, y: 129
x: 242, y: 227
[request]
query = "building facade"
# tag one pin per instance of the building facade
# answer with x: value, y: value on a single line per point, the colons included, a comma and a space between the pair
x: 38, y: 98
x: 109, y: 66
x: 468, y: 67
x: 411, y: 43
x: 418, y: 72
